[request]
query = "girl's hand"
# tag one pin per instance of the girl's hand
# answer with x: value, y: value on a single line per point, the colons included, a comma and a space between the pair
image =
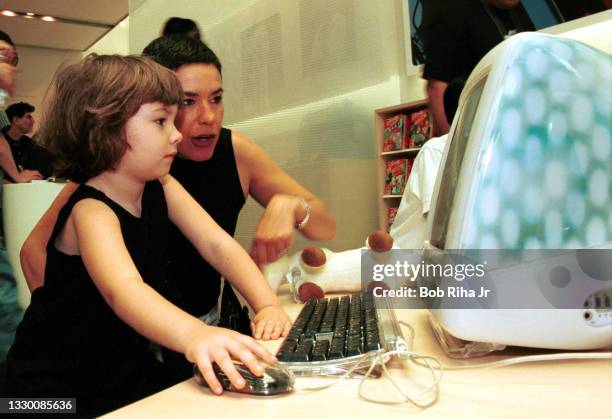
x: 271, y: 322
x: 214, y: 344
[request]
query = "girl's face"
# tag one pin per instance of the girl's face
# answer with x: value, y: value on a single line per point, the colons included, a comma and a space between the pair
x: 152, y: 139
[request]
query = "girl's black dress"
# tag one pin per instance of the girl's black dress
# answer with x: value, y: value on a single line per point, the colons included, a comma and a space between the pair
x: 70, y: 343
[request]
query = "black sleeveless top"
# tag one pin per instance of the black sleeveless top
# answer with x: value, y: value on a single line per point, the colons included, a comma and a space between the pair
x: 70, y: 342
x: 215, y: 184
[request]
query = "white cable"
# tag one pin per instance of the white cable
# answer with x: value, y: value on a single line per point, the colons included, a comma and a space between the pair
x: 529, y: 358
x: 412, y: 334
x: 406, y: 398
x: 341, y: 377
x: 512, y: 361
x: 404, y: 349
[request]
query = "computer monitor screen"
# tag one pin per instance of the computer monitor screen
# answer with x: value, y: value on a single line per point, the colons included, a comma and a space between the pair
x: 452, y: 167
x: 528, y: 162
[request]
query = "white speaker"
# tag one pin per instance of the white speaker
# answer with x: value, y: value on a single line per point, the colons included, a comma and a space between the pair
x: 22, y: 206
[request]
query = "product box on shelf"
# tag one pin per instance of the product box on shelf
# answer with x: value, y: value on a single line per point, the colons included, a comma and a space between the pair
x: 391, y: 213
x: 419, y: 129
x: 394, y: 132
x: 396, y: 174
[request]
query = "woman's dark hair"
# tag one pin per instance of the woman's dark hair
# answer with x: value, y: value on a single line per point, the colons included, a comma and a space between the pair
x: 181, y: 26
x: 173, y: 51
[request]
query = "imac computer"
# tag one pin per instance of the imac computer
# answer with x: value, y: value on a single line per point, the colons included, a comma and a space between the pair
x: 528, y: 165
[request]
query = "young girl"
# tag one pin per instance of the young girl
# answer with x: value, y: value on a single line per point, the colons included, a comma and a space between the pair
x: 86, y: 333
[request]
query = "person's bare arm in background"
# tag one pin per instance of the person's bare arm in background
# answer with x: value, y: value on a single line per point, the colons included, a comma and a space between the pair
x: 33, y: 254
x: 7, y: 164
x: 7, y: 72
x: 435, y: 94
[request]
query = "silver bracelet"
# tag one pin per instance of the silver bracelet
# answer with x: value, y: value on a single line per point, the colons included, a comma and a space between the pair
x: 308, y: 210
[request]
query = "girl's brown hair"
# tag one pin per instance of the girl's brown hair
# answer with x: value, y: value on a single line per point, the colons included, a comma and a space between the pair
x: 90, y: 103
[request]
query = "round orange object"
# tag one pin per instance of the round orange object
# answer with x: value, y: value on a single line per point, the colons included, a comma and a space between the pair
x: 310, y: 290
x: 313, y: 256
x: 380, y: 241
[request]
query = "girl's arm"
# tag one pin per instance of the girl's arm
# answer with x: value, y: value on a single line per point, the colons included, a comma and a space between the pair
x: 96, y: 231
x: 228, y: 258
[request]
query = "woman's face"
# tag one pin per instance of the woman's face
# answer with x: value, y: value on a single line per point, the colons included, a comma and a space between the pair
x: 200, y: 116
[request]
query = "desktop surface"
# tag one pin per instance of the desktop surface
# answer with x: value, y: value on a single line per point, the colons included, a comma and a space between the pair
x: 560, y: 389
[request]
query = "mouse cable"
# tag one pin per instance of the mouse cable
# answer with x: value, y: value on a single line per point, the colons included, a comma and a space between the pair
x: 380, y: 357
x: 432, y: 363
x: 403, y: 349
x: 515, y: 360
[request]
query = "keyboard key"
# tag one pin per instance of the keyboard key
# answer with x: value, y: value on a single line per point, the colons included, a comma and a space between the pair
x: 293, y: 357
x: 372, y: 346
x: 324, y: 336
x: 372, y: 342
x: 326, y: 327
x: 288, y: 346
x: 319, y: 352
x: 353, y: 350
x: 304, y: 348
x: 336, y: 349
x: 336, y: 353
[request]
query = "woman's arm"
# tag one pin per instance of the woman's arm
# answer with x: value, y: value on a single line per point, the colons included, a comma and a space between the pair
x: 228, y: 258
x: 96, y: 231
x: 281, y: 196
x: 33, y: 254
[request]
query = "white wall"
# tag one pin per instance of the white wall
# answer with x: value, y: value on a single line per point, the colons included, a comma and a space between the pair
x: 36, y: 69
x: 116, y: 41
x: 37, y: 66
x: 303, y: 78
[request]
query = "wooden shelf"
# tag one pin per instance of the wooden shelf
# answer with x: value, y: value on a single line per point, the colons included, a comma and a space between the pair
x: 401, y: 152
x: 387, y: 201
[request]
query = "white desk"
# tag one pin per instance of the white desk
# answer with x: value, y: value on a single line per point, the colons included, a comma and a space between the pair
x: 581, y: 389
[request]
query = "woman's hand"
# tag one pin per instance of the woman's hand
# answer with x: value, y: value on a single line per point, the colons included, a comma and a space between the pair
x: 276, y: 229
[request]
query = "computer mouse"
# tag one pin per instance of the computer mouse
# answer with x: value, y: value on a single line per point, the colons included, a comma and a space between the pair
x: 275, y: 380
